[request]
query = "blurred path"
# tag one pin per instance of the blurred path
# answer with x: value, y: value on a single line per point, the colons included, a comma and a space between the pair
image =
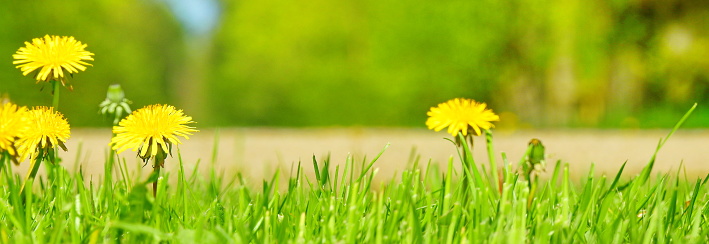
x: 259, y: 151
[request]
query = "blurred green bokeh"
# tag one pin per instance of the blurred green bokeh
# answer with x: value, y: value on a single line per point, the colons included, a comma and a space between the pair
x: 567, y: 63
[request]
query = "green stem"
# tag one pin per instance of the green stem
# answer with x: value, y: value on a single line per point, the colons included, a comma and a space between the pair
x: 491, y: 157
x: 159, y: 161
x: 55, y: 93
x: 7, y: 169
x: 460, y: 139
x: 32, y: 173
x: 532, y: 191
x: 109, y: 165
x: 55, y: 105
x: 466, y: 168
x: 108, y: 171
x: 470, y: 168
x: 526, y: 165
x: 108, y: 176
x: 3, y: 156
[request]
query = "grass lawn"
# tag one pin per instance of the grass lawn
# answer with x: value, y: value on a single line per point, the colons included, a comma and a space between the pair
x: 424, y: 204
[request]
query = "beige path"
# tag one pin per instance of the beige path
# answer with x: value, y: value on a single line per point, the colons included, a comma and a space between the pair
x: 259, y: 151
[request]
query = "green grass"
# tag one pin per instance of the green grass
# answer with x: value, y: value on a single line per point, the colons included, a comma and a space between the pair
x: 342, y: 204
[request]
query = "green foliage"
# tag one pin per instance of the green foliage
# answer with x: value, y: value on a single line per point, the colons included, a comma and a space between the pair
x: 372, y: 62
x: 558, y: 63
x: 426, y: 204
x: 608, y: 63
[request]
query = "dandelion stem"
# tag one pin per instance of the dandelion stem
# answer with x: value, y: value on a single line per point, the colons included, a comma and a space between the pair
x: 159, y: 161
x: 4, y: 159
x: 32, y: 173
x: 55, y: 94
x: 55, y: 105
x: 491, y: 158
x: 108, y: 174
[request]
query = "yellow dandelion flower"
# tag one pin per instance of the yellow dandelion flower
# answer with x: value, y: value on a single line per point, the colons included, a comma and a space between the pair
x: 54, y: 55
x: 150, y: 129
x: 460, y: 115
x: 13, y: 124
x: 48, y: 129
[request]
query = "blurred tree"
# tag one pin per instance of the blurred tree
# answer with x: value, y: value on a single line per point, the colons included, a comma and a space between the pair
x: 335, y: 63
x: 558, y: 63
x: 611, y: 63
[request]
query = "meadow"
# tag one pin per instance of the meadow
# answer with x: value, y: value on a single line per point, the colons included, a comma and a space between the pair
x: 466, y: 199
x: 424, y: 204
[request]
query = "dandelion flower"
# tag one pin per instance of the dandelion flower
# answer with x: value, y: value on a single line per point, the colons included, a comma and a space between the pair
x: 152, y: 130
x: 49, y: 129
x: 460, y: 115
x: 13, y: 124
x: 52, y: 55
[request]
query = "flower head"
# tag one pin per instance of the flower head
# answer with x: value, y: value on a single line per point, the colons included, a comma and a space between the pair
x: 49, y: 129
x: 52, y: 55
x: 13, y: 124
x: 116, y: 103
x: 152, y: 130
x: 460, y: 115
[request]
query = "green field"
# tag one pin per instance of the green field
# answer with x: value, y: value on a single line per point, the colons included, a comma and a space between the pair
x: 423, y: 204
x: 366, y: 63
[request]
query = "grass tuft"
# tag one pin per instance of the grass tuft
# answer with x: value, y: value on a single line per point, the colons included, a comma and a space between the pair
x: 428, y: 203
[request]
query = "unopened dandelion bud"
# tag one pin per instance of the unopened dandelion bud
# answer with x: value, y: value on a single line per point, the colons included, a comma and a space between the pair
x: 534, y: 158
x: 115, y: 105
x: 115, y: 94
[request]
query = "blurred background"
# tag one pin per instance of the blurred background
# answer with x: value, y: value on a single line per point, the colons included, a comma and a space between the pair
x: 377, y: 63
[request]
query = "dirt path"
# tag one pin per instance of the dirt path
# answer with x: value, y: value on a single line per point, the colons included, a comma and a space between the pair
x: 259, y: 151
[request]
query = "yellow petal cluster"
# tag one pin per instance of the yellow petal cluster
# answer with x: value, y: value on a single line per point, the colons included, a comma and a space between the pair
x: 52, y: 55
x: 13, y: 125
x: 48, y: 129
x: 150, y: 129
x: 461, y: 115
